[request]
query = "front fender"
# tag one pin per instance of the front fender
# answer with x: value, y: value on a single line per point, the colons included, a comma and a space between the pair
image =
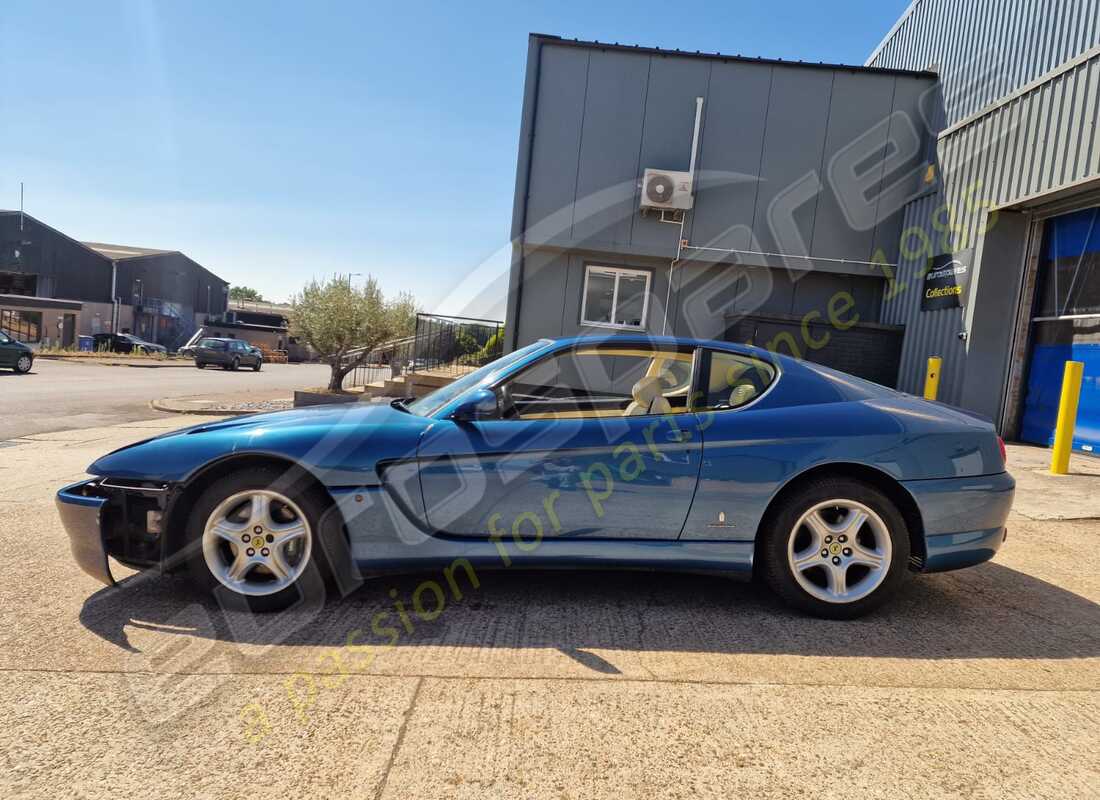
x: 337, y: 454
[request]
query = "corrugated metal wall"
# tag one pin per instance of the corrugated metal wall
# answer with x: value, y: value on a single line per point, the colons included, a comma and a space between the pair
x: 1037, y: 142
x: 604, y: 114
x: 988, y: 48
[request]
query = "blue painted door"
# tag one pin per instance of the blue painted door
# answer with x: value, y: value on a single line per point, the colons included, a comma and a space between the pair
x: 613, y: 477
x: 1065, y: 327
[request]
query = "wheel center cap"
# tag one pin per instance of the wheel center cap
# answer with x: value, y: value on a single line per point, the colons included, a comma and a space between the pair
x: 834, y: 548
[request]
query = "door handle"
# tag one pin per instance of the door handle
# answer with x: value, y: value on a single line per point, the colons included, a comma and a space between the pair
x: 677, y: 435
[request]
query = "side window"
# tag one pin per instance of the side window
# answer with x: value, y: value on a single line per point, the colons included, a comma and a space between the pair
x: 733, y: 380
x: 600, y: 382
x: 615, y: 297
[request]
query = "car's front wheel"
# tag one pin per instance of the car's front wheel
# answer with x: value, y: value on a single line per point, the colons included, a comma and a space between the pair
x: 23, y: 364
x: 254, y: 541
x: 200, y: 365
x: 837, y: 549
x: 259, y: 365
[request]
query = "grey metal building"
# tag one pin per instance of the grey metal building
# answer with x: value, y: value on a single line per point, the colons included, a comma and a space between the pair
x: 800, y: 177
x: 160, y: 295
x: 945, y: 198
x: 1015, y: 205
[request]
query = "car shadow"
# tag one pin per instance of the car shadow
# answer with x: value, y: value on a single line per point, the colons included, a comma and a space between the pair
x: 986, y: 612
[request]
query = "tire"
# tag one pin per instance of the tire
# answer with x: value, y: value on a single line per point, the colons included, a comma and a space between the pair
x: 200, y: 365
x: 23, y: 364
x: 236, y: 365
x: 259, y: 589
x: 256, y: 368
x: 807, y: 559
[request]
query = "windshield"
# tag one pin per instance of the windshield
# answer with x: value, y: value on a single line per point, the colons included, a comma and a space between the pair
x: 431, y: 403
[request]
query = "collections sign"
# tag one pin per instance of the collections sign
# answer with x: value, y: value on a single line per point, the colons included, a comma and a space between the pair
x: 945, y: 281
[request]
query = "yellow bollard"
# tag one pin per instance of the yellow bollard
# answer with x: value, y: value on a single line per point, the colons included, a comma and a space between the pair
x: 1067, y: 417
x: 932, y: 378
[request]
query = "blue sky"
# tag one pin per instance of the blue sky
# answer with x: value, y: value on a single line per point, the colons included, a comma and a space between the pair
x: 274, y: 142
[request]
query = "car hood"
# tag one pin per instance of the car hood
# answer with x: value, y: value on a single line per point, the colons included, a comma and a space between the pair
x: 345, y: 414
x: 339, y: 443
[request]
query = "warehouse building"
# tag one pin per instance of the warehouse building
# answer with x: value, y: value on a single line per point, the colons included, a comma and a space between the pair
x: 715, y: 196
x: 1015, y: 206
x: 54, y: 288
x: 939, y: 201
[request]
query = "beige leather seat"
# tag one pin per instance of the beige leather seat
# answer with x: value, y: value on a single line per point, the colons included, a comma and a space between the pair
x: 648, y: 398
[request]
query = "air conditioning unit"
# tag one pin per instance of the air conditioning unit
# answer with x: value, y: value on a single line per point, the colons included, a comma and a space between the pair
x: 666, y: 190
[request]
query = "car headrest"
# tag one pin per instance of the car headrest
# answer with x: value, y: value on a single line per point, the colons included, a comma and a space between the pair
x: 741, y: 394
x: 647, y: 389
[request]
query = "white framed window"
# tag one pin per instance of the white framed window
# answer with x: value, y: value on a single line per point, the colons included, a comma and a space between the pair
x: 615, y: 297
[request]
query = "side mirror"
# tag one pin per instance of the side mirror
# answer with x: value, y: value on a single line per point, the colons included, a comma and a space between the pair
x: 478, y: 404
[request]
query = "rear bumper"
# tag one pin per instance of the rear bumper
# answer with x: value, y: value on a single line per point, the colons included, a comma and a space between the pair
x: 964, y: 518
x: 82, y: 515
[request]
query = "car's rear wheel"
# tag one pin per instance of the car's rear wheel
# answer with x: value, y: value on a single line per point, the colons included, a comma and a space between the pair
x: 254, y: 541
x: 200, y: 365
x: 23, y: 364
x: 838, y: 548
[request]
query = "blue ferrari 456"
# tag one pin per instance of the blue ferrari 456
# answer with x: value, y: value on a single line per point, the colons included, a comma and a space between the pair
x: 623, y: 451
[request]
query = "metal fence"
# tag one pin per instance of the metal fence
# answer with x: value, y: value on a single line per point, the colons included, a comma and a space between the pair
x: 446, y: 346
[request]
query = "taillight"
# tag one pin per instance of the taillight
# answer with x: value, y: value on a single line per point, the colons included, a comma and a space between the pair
x: 1004, y: 453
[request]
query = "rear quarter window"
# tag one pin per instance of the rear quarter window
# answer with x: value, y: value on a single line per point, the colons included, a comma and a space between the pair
x: 733, y: 380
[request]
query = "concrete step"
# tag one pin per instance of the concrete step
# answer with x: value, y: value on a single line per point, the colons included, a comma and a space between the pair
x: 380, y: 389
x: 428, y: 379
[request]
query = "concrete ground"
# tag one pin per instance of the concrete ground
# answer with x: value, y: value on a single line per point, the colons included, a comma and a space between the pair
x: 73, y: 395
x: 1041, y: 495
x: 983, y: 683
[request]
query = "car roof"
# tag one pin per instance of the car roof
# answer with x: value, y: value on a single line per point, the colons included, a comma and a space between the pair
x: 668, y: 341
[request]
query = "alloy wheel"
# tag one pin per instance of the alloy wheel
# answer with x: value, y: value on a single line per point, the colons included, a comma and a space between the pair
x: 257, y: 542
x: 839, y: 551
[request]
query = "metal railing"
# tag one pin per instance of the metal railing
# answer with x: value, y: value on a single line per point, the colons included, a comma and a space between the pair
x: 444, y: 346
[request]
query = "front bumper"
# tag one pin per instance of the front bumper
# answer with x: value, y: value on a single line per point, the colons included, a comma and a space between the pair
x: 964, y: 518
x: 116, y: 519
x: 82, y: 515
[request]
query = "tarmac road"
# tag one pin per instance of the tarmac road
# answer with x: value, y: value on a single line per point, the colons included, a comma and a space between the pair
x: 68, y: 395
x: 983, y: 683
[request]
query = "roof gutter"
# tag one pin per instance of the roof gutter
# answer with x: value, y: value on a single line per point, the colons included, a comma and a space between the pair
x: 114, y: 296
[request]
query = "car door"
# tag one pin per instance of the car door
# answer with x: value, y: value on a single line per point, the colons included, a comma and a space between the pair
x: 744, y: 461
x: 583, y: 447
x: 9, y: 351
x: 218, y: 352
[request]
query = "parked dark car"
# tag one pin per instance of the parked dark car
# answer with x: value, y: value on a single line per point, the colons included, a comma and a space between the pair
x: 124, y: 343
x: 227, y: 354
x: 15, y: 355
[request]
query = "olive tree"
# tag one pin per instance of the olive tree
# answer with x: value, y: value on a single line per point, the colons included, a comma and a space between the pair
x: 343, y: 323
